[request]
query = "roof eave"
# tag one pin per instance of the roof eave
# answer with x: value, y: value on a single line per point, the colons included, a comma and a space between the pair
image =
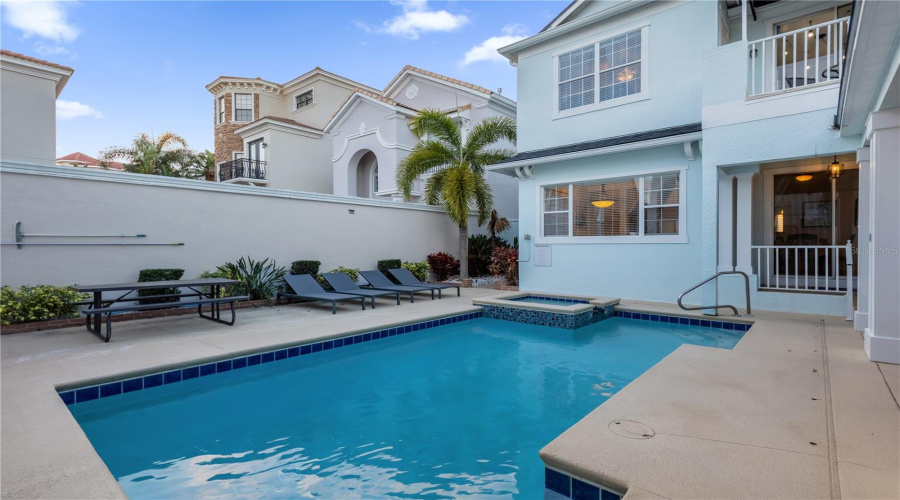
x: 269, y: 123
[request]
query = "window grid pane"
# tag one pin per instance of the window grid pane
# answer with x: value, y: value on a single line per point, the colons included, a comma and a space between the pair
x: 243, y: 107
x: 556, y: 211
x: 576, y: 78
x: 304, y: 99
x: 619, y: 63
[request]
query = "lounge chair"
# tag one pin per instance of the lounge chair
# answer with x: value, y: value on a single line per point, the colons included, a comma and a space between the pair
x: 379, y: 281
x: 406, y: 278
x: 306, y: 287
x: 343, y: 284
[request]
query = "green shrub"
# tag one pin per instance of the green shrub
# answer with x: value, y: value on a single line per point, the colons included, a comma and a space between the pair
x: 419, y: 269
x: 384, y: 265
x: 38, y: 303
x: 258, y: 279
x: 349, y: 271
x: 481, y: 247
x: 159, y: 275
x: 310, y: 267
x: 224, y: 290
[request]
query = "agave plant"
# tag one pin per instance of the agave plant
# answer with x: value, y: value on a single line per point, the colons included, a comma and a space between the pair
x: 258, y: 279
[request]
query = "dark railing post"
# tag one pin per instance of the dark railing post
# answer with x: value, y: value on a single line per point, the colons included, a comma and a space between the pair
x: 242, y: 168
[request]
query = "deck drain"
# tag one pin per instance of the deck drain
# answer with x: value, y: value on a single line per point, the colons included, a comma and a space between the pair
x: 631, y: 429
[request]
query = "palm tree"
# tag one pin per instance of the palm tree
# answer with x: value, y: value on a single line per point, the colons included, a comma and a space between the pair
x: 458, y: 182
x: 497, y: 224
x: 166, y: 155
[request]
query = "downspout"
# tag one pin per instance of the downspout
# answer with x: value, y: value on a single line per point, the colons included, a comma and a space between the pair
x: 851, y: 35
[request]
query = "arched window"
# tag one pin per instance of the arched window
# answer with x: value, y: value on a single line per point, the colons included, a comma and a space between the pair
x: 374, y: 180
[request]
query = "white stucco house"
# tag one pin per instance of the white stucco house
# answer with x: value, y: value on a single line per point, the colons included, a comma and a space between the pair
x: 28, y: 90
x: 661, y: 143
x: 325, y: 133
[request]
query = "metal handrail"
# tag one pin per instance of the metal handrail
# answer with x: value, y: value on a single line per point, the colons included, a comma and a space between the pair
x: 717, y: 306
x: 242, y: 168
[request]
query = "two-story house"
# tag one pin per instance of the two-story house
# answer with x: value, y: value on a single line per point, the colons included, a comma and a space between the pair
x: 324, y: 133
x: 662, y: 142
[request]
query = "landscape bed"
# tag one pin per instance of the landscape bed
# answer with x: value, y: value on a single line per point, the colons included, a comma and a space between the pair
x: 452, y: 406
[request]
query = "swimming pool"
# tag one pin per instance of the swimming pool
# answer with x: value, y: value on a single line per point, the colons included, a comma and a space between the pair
x: 458, y: 409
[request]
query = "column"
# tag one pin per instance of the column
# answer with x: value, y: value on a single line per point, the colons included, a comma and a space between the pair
x: 744, y: 222
x: 726, y: 223
x: 882, y: 334
x: 861, y: 259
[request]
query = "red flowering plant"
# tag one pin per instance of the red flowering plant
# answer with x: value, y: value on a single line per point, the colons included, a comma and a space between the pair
x: 443, y: 265
x: 505, y: 262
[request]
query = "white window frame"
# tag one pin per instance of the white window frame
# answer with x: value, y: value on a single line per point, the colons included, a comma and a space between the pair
x: 644, y: 94
x: 312, y: 90
x: 234, y: 107
x: 681, y: 237
x: 220, y: 109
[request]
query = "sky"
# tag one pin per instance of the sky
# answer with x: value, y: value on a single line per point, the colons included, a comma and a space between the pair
x: 143, y: 66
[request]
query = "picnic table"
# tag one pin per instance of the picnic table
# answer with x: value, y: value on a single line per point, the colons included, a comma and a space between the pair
x: 205, y: 292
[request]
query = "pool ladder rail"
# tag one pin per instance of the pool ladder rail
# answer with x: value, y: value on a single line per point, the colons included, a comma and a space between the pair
x: 716, y: 307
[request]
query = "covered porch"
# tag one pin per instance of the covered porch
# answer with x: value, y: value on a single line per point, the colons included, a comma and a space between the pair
x: 792, y: 226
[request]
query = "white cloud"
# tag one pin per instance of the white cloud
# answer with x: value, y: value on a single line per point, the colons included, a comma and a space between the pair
x: 43, y: 19
x: 416, y: 19
x: 487, y: 50
x: 45, y: 50
x: 68, y: 110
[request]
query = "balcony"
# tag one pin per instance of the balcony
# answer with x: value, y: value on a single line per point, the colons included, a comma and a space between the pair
x: 243, y: 171
x: 806, y: 57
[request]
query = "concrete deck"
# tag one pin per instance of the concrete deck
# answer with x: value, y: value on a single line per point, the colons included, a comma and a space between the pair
x: 728, y: 423
x: 795, y: 410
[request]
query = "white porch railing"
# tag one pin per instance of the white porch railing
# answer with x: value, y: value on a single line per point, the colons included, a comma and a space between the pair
x: 799, y: 58
x: 814, y: 268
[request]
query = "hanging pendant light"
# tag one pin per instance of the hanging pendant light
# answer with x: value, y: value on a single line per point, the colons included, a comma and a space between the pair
x: 835, y: 168
x: 603, y: 203
x: 804, y: 177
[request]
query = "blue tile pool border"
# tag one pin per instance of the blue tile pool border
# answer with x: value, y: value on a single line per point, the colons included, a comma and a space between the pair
x: 684, y: 320
x: 576, y: 488
x: 131, y: 384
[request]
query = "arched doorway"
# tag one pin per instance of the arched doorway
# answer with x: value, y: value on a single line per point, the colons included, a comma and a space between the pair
x: 367, y: 175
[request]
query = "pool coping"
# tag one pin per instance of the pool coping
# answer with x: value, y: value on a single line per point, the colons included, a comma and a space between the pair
x: 505, y: 300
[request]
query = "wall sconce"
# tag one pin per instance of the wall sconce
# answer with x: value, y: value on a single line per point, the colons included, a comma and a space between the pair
x: 351, y: 211
x: 779, y: 222
x: 265, y: 145
x: 835, y: 168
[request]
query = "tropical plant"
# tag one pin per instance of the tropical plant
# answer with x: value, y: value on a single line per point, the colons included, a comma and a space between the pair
x: 166, y: 155
x: 38, y: 303
x: 259, y: 279
x: 420, y: 270
x: 200, y: 166
x: 223, y: 290
x: 497, y: 224
x: 505, y: 262
x: 458, y: 182
x: 442, y: 265
x: 481, y: 247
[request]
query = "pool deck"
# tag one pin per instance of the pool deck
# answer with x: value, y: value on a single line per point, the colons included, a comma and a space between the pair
x: 732, y: 424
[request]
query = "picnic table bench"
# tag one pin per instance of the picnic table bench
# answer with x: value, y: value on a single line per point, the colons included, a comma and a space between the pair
x: 98, y: 306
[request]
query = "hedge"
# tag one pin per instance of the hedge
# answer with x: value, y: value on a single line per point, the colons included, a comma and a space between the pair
x: 310, y: 267
x: 159, y: 275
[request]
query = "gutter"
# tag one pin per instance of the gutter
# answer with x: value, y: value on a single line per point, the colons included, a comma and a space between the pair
x: 851, y: 36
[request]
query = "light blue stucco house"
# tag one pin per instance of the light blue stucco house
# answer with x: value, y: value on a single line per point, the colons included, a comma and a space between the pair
x: 662, y: 142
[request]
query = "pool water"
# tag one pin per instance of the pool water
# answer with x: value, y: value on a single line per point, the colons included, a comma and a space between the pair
x: 454, y: 410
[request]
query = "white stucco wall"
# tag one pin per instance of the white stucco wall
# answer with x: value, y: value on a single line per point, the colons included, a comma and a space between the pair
x: 28, y: 120
x: 217, y: 223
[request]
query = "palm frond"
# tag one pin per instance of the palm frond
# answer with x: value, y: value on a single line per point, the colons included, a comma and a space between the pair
x: 488, y: 157
x: 433, y: 187
x: 483, y: 199
x: 458, y: 190
x: 489, y: 131
x: 425, y: 156
x: 434, y: 122
x: 168, y: 138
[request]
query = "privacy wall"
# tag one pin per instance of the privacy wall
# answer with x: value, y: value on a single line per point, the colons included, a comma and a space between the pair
x: 216, y: 222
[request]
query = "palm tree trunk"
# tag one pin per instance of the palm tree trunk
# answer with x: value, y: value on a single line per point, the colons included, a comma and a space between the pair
x: 464, y: 252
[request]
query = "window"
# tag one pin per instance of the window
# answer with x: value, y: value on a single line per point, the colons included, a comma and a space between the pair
x: 640, y: 206
x: 601, y: 72
x: 576, y: 78
x: 620, y: 66
x: 243, y: 107
x: 221, y: 104
x: 304, y: 99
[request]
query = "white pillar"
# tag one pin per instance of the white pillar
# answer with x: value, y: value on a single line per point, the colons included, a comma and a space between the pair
x: 863, y: 240
x: 882, y: 335
x: 726, y: 223
x: 744, y: 20
x: 744, y: 225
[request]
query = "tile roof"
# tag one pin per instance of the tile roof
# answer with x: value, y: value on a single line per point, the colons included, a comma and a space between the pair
x: 89, y: 161
x: 439, y: 77
x: 34, y: 60
x: 246, y: 78
x: 605, y: 143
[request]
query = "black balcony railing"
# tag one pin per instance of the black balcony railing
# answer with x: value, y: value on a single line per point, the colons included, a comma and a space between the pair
x: 242, y: 168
